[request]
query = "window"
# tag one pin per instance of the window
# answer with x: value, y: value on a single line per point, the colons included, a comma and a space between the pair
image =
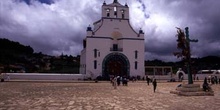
x: 135, y: 65
x: 108, y: 12
x: 95, y: 53
x: 115, y: 47
x: 115, y: 8
x: 95, y: 64
x: 115, y: 12
x: 122, y: 14
x: 136, y: 54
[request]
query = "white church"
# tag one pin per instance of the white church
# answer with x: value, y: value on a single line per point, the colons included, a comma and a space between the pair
x: 112, y: 47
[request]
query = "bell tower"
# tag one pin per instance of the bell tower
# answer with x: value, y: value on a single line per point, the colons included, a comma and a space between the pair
x: 115, y: 1
x: 115, y: 10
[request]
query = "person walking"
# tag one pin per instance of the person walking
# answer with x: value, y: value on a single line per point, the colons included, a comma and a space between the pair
x: 154, y: 84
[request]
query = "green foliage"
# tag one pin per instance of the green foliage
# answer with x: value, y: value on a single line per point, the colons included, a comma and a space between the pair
x: 8, y: 46
x: 16, y: 57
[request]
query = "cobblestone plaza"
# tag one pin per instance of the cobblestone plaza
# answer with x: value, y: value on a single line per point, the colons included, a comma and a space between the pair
x: 69, y: 95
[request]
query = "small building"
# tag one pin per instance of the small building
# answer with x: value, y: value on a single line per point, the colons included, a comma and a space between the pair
x: 160, y: 72
x: 112, y: 47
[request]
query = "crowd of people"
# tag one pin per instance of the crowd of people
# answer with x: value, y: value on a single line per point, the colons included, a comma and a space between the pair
x: 210, y: 81
x: 213, y: 80
x: 118, y: 80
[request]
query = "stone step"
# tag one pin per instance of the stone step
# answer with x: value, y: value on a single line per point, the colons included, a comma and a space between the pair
x: 196, y: 93
x: 202, y: 93
x: 191, y: 90
x: 182, y: 89
x: 191, y: 85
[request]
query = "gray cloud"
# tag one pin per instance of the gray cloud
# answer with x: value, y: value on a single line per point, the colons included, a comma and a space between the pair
x: 58, y: 26
x: 200, y: 16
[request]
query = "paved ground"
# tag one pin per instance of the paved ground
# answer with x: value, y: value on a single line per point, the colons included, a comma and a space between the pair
x: 100, y: 96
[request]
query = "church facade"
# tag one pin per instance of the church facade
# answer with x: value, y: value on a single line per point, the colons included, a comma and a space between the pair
x: 112, y: 47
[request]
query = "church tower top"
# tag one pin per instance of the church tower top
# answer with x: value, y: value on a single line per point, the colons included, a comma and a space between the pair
x: 115, y: 10
x: 115, y: 1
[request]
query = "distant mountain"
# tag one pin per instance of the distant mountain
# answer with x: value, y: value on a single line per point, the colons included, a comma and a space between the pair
x: 9, y: 47
x: 11, y: 52
x: 15, y: 57
x: 208, y: 62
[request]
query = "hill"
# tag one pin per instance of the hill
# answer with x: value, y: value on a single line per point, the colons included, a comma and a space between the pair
x: 15, y: 57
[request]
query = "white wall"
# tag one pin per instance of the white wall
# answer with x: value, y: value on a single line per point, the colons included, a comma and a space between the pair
x: 43, y: 76
x: 103, y: 46
x: 129, y: 48
x: 82, y: 69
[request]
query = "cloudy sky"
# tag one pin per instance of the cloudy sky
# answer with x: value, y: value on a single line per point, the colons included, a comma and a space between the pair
x: 58, y: 26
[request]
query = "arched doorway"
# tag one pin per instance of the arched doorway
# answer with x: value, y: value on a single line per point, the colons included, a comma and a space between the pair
x: 115, y: 64
x: 180, y: 74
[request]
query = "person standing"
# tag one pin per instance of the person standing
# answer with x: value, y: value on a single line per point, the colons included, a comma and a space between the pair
x: 205, y: 85
x: 154, y: 84
x: 115, y: 82
x: 1, y: 77
x: 148, y: 80
x: 118, y: 80
x: 216, y: 80
x: 8, y: 77
x: 125, y: 81
x: 219, y: 80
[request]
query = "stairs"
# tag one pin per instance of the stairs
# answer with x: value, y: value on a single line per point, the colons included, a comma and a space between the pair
x: 191, y: 90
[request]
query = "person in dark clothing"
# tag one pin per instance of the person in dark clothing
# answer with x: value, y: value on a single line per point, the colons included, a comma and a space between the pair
x: 219, y: 80
x: 154, y: 84
x: 148, y: 80
x: 209, y: 79
x: 216, y: 80
x: 213, y: 80
x: 118, y: 80
x: 125, y: 81
x: 206, y: 85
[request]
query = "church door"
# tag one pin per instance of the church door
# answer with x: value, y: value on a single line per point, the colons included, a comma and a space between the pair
x: 115, y: 65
